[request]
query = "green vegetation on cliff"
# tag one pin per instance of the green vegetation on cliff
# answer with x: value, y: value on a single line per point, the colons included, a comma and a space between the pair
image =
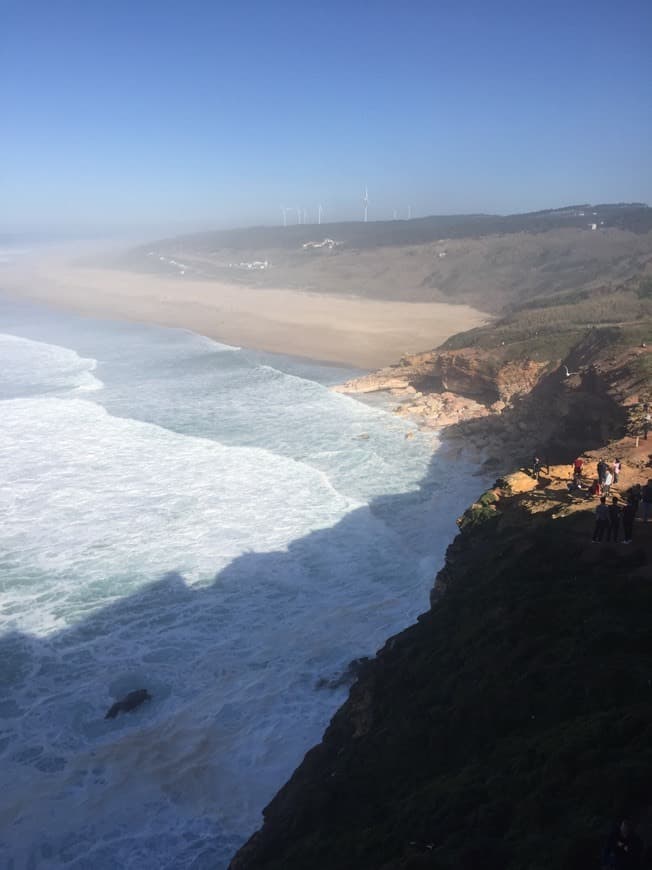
x: 548, y: 326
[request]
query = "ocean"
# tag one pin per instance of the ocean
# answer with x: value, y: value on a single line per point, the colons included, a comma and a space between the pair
x: 212, y: 524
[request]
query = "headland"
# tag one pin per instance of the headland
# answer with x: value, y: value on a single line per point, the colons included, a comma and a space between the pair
x: 510, y: 726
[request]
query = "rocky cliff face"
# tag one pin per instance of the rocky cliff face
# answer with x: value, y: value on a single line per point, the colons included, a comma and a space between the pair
x: 469, y: 372
x: 519, y: 405
x: 510, y: 725
x: 443, y: 387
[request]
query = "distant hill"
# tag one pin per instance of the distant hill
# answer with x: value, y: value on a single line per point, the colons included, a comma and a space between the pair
x: 488, y: 261
x: 635, y: 217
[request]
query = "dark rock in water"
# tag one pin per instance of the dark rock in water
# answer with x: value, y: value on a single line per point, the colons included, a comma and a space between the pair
x: 349, y: 675
x: 128, y: 703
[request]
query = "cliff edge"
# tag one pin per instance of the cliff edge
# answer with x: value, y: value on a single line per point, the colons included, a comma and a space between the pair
x: 513, y: 721
x: 508, y: 726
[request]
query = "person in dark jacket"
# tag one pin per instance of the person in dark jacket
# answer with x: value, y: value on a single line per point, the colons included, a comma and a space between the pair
x: 629, y: 512
x: 602, y: 470
x: 646, y: 498
x: 624, y: 848
x: 601, y: 520
x: 614, y: 520
x: 634, y: 495
x: 536, y: 466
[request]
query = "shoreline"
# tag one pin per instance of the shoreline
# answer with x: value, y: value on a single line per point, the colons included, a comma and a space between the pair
x: 347, y: 331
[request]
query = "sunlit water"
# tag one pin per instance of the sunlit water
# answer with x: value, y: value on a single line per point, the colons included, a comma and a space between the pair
x: 209, y: 523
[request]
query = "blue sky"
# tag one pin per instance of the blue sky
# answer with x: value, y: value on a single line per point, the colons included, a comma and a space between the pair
x: 147, y: 114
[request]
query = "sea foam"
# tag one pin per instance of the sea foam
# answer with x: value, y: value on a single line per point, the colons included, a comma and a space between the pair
x: 210, y: 528
x: 33, y: 366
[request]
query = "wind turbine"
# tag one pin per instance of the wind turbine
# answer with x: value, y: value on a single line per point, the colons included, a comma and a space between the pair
x: 319, y: 210
x: 409, y: 212
x: 366, y: 202
x: 285, y: 215
x: 298, y: 211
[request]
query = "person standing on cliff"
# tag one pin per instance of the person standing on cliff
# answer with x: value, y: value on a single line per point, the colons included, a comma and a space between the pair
x: 536, y: 467
x: 577, y: 467
x: 608, y: 480
x: 601, y: 520
x: 602, y: 469
x: 614, y: 520
x: 616, y: 470
x: 646, y: 500
x: 629, y: 512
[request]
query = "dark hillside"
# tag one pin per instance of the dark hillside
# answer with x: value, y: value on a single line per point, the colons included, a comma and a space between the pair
x: 504, y: 730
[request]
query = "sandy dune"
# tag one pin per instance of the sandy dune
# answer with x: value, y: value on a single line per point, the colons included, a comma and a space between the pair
x: 353, y: 331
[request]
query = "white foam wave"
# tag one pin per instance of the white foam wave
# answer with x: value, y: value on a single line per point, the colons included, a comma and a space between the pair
x: 38, y: 366
x: 133, y: 493
x: 96, y: 509
x: 226, y: 579
x: 209, y: 343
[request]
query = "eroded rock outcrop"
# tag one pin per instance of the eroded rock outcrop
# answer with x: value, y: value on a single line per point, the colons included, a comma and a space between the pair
x: 444, y: 387
x: 519, y: 400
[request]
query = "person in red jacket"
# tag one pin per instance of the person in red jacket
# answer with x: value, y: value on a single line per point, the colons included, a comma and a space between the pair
x: 595, y: 488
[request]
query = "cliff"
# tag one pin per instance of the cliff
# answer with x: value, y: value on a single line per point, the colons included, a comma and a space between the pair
x: 532, y: 376
x: 510, y: 725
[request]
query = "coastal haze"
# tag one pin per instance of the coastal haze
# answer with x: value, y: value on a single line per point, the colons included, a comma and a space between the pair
x: 359, y: 294
x: 287, y: 296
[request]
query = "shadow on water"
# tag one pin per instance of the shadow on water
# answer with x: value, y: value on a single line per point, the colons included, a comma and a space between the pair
x: 233, y: 668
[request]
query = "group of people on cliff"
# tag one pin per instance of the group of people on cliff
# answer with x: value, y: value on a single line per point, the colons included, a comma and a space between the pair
x: 607, y: 476
x: 612, y: 512
x: 608, y: 517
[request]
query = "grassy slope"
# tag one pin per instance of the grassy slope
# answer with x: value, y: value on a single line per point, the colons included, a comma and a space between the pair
x: 548, y: 326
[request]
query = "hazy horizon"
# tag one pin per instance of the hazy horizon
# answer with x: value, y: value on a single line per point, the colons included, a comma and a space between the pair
x: 143, y: 234
x: 163, y: 119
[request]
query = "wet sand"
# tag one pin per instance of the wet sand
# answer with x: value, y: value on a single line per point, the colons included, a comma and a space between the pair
x: 364, y: 333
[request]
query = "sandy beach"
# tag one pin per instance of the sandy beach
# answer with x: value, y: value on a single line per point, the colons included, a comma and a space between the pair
x: 346, y: 330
